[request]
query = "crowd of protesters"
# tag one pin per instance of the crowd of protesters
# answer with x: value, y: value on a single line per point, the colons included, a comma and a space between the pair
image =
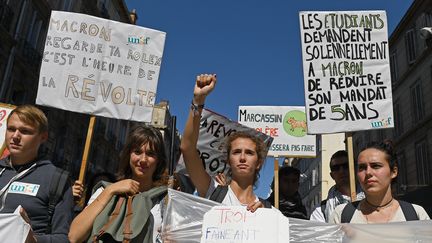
x: 142, y: 176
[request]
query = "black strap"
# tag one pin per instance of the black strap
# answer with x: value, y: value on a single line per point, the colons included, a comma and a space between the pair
x: 323, y: 208
x: 57, y: 188
x: 408, y: 211
x: 348, y: 211
x: 220, y: 192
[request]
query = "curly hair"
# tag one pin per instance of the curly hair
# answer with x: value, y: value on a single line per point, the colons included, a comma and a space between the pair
x: 261, y: 150
x: 139, y: 136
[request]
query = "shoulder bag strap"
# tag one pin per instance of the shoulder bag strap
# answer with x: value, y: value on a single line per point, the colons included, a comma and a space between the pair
x: 112, y: 217
x: 323, y: 208
x: 219, y: 193
x: 408, y: 211
x: 348, y: 212
x: 57, y: 188
x: 127, y: 230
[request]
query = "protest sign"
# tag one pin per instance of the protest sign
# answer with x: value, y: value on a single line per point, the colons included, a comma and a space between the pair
x: 100, y: 67
x: 285, y: 124
x: 237, y: 224
x: 346, y: 71
x: 13, y: 227
x: 5, y: 110
x: 214, y: 129
x: 185, y: 213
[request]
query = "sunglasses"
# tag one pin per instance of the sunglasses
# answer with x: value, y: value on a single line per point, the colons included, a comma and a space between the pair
x: 337, y: 167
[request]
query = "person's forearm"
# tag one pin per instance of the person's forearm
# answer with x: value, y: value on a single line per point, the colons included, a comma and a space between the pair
x: 191, y: 132
x: 204, y: 85
x: 188, y: 146
x: 83, y: 223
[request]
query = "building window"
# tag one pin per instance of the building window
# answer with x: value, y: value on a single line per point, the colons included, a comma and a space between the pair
x: 7, y: 15
x: 422, y: 162
x: 121, y: 135
x: 34, y: 30
x: 394, y: 67
x: 381, y: 134
x: 67, y: 5
x: 314, y: 177
x: 417, y: 106
x: 427, y: 19
x: 402, y: 178
x: 398, y: 129
x: 410, y: 44
x: 19, y: 93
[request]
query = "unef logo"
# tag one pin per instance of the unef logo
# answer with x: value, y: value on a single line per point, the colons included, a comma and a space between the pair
x: 294, y: 123
x: 24, y: 188
x: 383, y: 123
x: 139, y: 40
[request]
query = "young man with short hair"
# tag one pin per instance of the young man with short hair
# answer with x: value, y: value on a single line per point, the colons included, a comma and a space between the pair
x: 340, y: 192
x: 290, y: 203
x: 25, y: 178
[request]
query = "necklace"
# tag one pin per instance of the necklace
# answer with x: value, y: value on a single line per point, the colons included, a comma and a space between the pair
x: 378, y: 207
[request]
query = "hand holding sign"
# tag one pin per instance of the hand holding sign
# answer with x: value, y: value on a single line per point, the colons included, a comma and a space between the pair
x: 30, y: 237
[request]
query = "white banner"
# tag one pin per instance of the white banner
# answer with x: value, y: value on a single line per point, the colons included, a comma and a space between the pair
x: 237, y: 224
x: 214, y: 130
x: 285, y: 124
x: 13, y: 228
x: 100, y: 67
x: 346, y: 71
x: 185, y: 212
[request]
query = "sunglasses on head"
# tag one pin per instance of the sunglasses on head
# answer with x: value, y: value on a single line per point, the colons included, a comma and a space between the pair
x: 337, y: 167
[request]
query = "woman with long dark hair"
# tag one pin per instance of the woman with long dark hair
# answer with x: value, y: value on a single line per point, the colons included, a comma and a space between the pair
x: 141, y: 168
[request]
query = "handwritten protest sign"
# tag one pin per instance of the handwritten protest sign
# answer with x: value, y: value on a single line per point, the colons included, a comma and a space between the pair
x: 5, y: 110
x: 285, y: 124
x: 236, y: 224
x: 100, y: 67
x: 214, y: 130
x: 346, y: 71
x: 185, y: 212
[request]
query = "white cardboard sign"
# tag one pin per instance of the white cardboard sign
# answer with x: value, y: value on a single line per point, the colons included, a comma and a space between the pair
x: 346, y: 71
x: 285, y: 124
x: 100, y: 67
x: 226, y: 224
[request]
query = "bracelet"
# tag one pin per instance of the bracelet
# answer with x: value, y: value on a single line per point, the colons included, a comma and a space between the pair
x: 195, y: 108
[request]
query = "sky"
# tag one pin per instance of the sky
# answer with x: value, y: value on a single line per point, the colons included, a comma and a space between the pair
x: 253, y: 47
